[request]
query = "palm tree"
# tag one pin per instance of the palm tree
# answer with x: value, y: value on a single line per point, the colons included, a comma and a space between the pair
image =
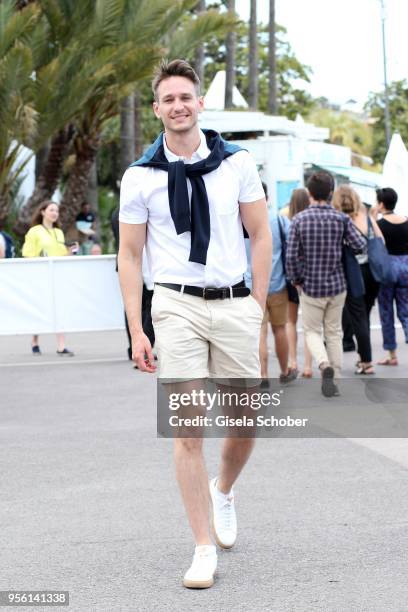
x: 199, y: 54
x: 48, y: 178
x: 69, y: 76
x: 17, y: 115
x: 68, y: 66
x: 72, y: 78
x: 127, y: 132
x: 132, y: 61
x: 137, y: 97
x: 230, y: 59
x: 272, y: 93
x: 253, y: 58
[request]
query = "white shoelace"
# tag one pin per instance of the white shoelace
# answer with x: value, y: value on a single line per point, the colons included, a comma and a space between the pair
x: 227, y: 516
x: 202, y: 555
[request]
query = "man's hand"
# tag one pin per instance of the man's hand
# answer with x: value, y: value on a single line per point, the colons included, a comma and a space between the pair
x: 261, y: 301
x: 142, y: 353
x: 255, y: 220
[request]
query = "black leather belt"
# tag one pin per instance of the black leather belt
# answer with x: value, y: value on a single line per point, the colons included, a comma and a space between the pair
x: 211, y: 293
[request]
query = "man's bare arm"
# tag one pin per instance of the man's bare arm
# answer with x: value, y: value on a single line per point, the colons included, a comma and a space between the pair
x: 131, y: 243
x: 255, y: 219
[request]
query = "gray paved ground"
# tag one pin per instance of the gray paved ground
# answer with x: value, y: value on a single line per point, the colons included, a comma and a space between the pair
x: 89, y: 502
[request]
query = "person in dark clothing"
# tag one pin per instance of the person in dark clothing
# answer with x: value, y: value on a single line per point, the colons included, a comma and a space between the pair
x: 85, y: 224
x: 147, y: 295
x: 356, y: 311
x: 395, y: 231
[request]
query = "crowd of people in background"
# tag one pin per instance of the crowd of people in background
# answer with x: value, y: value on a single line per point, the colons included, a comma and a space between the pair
x: 307, y: 275
x: 336, y: 219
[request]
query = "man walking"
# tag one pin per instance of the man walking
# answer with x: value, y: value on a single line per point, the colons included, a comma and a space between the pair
x: 314, y: 265
x: 188, y: 198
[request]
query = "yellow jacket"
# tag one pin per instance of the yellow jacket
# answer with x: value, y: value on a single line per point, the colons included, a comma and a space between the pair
x: 42, y: 242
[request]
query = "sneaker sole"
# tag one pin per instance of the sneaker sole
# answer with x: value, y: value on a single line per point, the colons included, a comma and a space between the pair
x: 328, y: 386
x: 198, y: 584
x: 212, y: 527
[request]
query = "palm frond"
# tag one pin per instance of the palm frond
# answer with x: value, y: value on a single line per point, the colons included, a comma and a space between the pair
x: 107, y: 20
x: 15, y: 73
x: 15, y: 25
x: 51, y: 9
x: 193, y: 32
x: 147, y: 20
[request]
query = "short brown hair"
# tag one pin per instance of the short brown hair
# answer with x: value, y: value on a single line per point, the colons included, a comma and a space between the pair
x: 176, y: 67
x: 347, y: 200
x: 320, y: 186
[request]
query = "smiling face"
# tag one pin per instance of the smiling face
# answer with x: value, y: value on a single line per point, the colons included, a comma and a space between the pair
x: 50, y: 214
x: 177, y: 104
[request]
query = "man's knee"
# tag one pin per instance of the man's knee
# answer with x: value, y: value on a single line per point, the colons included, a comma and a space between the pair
x: 191, y: 446
x: 279, y: 330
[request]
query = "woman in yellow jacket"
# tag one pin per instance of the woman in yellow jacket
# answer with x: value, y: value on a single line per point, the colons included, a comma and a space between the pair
x: 46, y: 239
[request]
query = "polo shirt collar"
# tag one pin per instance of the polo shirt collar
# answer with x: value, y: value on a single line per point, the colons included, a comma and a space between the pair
x: 201, y: 153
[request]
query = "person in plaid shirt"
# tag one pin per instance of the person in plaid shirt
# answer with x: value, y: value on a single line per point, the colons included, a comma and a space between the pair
x: 314, y: 266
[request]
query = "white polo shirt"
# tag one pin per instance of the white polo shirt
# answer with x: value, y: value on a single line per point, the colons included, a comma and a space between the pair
x: 144, y: 199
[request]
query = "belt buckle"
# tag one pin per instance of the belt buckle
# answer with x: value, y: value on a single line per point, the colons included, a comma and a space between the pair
x: 212, y: 293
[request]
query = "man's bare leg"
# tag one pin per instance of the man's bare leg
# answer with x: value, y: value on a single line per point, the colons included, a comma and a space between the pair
x: 292, y: 334
x: 235, y: 454
x: 263, y: 349
x: 192, y: 478
x: 281, y: 347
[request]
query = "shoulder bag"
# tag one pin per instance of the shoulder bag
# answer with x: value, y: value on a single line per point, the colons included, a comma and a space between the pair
x: 352, y: 270
x: 378, y: 258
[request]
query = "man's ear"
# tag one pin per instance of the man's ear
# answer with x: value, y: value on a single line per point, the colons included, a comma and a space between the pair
x: 156, y: 109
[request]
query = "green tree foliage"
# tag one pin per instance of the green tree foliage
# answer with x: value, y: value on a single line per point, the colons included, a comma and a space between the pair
x: 17, y: 113
x: 346, y: 129
x: 398, y: 103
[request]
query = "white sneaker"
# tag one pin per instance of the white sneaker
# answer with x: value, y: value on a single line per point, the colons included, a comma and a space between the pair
x: 202, y: 570
x: 224, y: 520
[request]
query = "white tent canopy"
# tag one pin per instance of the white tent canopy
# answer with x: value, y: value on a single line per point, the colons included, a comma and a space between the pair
x: 215, y: 96
x: 395, y: 172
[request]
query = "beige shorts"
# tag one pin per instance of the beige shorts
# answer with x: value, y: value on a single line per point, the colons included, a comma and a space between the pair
x: 276, y: 310
x: 197, y: 338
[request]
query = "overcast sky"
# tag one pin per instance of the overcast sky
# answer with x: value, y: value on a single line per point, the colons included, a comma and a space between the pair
x: 342, y: 42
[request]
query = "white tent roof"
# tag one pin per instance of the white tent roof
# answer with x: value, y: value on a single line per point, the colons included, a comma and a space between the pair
x: 215, y: 96
x: 395, y: 172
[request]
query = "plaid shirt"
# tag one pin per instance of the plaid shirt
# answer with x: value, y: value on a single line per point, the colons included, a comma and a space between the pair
x: 313, y: 258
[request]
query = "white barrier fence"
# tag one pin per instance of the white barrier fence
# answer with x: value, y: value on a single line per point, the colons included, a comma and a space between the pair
x: 59, y: 294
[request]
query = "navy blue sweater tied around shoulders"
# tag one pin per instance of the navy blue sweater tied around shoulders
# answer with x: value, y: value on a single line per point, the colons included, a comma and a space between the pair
x: 198, y: 221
